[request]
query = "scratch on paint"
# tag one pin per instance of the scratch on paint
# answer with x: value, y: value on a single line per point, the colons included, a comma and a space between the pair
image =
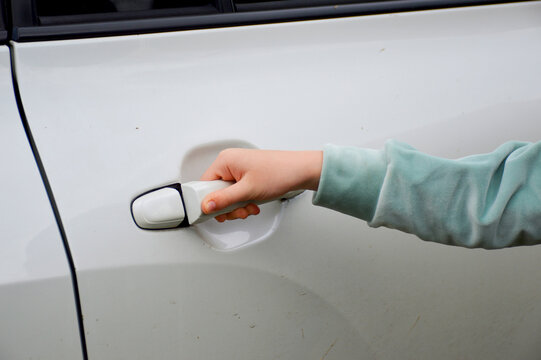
x: 415, y: 323
x: 328, y: 350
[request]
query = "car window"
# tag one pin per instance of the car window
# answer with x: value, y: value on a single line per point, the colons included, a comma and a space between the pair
x: 64, y: 12
x: 3, y: 32
x: 60, y: 19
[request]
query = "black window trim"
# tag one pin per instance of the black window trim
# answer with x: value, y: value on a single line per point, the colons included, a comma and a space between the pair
x: 191, y: 22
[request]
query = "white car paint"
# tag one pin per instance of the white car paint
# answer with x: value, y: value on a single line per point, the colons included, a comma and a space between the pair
x: 38, y: 319
x: 114, y: 117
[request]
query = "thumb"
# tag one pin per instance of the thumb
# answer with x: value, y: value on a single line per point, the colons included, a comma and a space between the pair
x: 221, y: 199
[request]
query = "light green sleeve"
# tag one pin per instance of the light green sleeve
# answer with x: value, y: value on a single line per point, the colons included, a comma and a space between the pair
x: 490, y: 201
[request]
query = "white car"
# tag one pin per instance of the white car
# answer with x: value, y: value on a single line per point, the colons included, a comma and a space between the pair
x: 102, y: 101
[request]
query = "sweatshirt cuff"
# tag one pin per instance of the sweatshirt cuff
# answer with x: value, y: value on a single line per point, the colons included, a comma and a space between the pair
x: 351, y: 180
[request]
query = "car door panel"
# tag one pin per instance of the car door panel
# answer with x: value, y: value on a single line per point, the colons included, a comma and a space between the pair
x: 115, y: 117
x: 39, y: 318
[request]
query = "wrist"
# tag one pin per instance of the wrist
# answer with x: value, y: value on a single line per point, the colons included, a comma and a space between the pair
x: 312, y: 163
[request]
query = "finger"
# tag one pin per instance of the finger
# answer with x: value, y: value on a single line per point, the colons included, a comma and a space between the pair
x: 221, y: 218
x: 219, y: 168
x: 252, y: 209
x: 221, y: 199
x: 211, y: 173
x: 240, y: 213
x: 244, y: 212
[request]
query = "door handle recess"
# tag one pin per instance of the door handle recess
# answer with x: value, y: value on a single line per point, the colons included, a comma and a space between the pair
x: 179, y: 205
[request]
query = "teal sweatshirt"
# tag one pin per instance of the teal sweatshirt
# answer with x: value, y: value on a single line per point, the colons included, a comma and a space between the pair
x: 489, y: 201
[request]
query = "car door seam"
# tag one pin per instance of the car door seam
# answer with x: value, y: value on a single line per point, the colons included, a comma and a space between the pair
x: 52, y: 201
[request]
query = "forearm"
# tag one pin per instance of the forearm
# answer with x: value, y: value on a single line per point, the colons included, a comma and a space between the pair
x: 489, y: 201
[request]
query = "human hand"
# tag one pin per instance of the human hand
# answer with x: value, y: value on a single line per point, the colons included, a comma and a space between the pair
x: 259, y: 175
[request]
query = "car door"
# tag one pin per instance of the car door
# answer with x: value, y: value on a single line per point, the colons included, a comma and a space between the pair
x: 126, y: 100
x: 38, y: 310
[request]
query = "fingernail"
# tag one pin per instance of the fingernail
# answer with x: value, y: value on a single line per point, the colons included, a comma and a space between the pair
x: 211, y: 205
